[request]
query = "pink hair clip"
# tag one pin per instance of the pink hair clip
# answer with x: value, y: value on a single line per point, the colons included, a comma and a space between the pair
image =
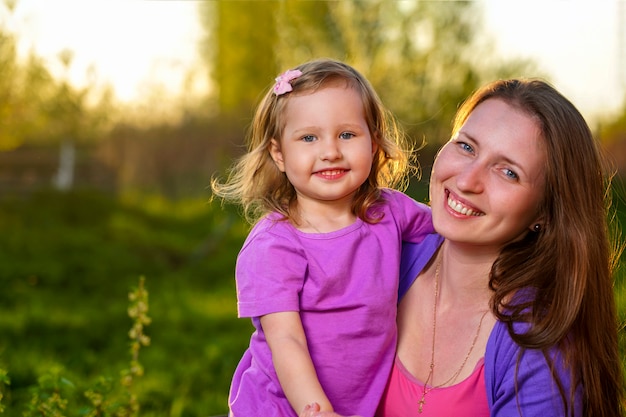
x: 282, y: 85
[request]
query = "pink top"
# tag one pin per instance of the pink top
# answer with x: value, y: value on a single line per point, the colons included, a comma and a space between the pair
x: 404, y: 392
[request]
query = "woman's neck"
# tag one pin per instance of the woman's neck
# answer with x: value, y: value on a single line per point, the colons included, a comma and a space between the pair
x: 464, y: 274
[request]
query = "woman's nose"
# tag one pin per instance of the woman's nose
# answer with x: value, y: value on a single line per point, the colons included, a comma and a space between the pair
x: 471, y: 178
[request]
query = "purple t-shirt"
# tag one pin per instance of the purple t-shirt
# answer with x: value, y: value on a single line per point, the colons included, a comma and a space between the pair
x: 344, y: 284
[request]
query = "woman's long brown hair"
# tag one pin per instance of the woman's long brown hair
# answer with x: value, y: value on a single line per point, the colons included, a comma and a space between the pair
x: 567, y: 265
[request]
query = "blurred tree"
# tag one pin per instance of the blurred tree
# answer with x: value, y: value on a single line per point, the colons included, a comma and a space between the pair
x: 36, y: 108
x: 241, y: 50
x: 43, y: 111
x: 615, y: 129
x: 9, y: 108
x: 421, y: 56
x: 612, y: 134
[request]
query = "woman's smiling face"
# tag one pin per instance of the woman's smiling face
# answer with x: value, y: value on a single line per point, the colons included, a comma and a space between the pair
x: 487, y: 182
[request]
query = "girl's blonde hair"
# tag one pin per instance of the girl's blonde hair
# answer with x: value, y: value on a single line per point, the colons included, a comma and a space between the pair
x: 260, y: 187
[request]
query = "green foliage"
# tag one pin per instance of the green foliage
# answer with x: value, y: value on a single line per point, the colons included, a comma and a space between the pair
x: 65, y: 266
x: 244, y: 39
x: 37, y: 108
x: 613, y: 132
x: 138, y: 311
x: 49, y: 397
x: 4, y: 382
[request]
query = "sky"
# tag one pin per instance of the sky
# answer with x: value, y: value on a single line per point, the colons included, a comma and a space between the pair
x: 132, y: 44
x: 139, y: 44
x: 575, y: 41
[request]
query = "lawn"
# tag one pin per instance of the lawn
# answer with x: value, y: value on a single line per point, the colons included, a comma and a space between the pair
x: 67, y: 264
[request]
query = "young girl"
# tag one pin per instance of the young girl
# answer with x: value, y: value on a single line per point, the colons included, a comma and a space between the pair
x: 318, y: 273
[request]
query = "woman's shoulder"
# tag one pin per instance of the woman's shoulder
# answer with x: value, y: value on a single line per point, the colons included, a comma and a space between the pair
x: 501, y: 346
x: 514, y: 373
x: 414, y: 258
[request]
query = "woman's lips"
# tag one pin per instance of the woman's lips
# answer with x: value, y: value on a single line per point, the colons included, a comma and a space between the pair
x: 458, y: 207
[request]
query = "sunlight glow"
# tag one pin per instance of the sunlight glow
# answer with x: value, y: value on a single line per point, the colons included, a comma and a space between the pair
x: 137, y: 45
x: 575, y: 41
x: 130, y: 44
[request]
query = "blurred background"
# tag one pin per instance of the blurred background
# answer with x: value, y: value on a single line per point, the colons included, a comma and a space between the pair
x: 115, y: 115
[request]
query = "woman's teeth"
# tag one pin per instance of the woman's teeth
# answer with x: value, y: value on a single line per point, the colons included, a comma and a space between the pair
x: 459, y: 208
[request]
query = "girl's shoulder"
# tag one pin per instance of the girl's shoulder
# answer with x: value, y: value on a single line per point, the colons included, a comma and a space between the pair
x: 387, y: 194
x: 272, y: 220
x: 392, y: 196
x: 401, y: 205
x: 272, y: 226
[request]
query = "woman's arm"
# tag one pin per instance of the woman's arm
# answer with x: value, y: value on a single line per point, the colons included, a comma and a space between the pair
x: 290, y: 354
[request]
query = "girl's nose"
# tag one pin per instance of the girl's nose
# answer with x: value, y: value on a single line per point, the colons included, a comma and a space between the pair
x: 330, y: 150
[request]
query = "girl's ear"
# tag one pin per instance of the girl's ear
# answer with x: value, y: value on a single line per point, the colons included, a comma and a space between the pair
x: 374, y: 147
x: 277, y: 155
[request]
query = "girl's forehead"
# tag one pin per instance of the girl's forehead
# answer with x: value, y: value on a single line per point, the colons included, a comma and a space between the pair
x: 325, y: 109
x: 332, y: 82
x: 332, y: 93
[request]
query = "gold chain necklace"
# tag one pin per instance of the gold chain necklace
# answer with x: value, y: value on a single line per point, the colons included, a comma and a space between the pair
x: 425, y: 390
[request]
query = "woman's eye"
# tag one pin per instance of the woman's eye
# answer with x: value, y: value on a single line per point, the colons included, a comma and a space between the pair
x: 346, y: 135
x: 308, y: 138
x: 466, y: 147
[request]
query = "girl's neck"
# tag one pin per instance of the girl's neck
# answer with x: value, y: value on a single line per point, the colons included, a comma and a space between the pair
x: 324, y: 218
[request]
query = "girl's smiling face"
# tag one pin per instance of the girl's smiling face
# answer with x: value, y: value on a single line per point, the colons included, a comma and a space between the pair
x: 326, y: 149
x: 487, y: 182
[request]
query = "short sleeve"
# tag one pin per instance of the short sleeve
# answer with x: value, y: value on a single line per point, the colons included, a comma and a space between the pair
x: 415, y: 218
x: 269, y: 274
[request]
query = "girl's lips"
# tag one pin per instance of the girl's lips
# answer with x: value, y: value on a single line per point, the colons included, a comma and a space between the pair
x: 459, y: 207
x: 331, y: 174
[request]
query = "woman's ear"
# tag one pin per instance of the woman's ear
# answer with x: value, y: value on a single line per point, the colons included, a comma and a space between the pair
x: 277, y: 154
x: 537, y: 226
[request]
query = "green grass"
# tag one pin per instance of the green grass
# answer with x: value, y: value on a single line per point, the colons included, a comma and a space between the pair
x: 67, y: 263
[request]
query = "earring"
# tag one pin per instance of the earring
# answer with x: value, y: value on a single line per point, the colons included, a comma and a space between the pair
x: 537, y: 228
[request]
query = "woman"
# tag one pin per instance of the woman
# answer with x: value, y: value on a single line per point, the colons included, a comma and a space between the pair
x: 515, y: 313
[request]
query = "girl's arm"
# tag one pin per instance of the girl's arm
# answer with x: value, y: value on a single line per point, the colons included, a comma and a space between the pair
x: 313, y: 410
x: 290, y: 354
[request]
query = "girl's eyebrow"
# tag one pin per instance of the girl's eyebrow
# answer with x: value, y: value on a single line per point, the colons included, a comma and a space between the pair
x: 342, y: 127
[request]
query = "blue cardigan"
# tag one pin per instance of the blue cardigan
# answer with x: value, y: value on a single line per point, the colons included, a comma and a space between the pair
x: 524, y: 389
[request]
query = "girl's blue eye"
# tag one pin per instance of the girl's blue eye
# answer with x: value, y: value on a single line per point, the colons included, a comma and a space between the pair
x: 511, y: 174
x: 346, y: 135
x: 308, y: 138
